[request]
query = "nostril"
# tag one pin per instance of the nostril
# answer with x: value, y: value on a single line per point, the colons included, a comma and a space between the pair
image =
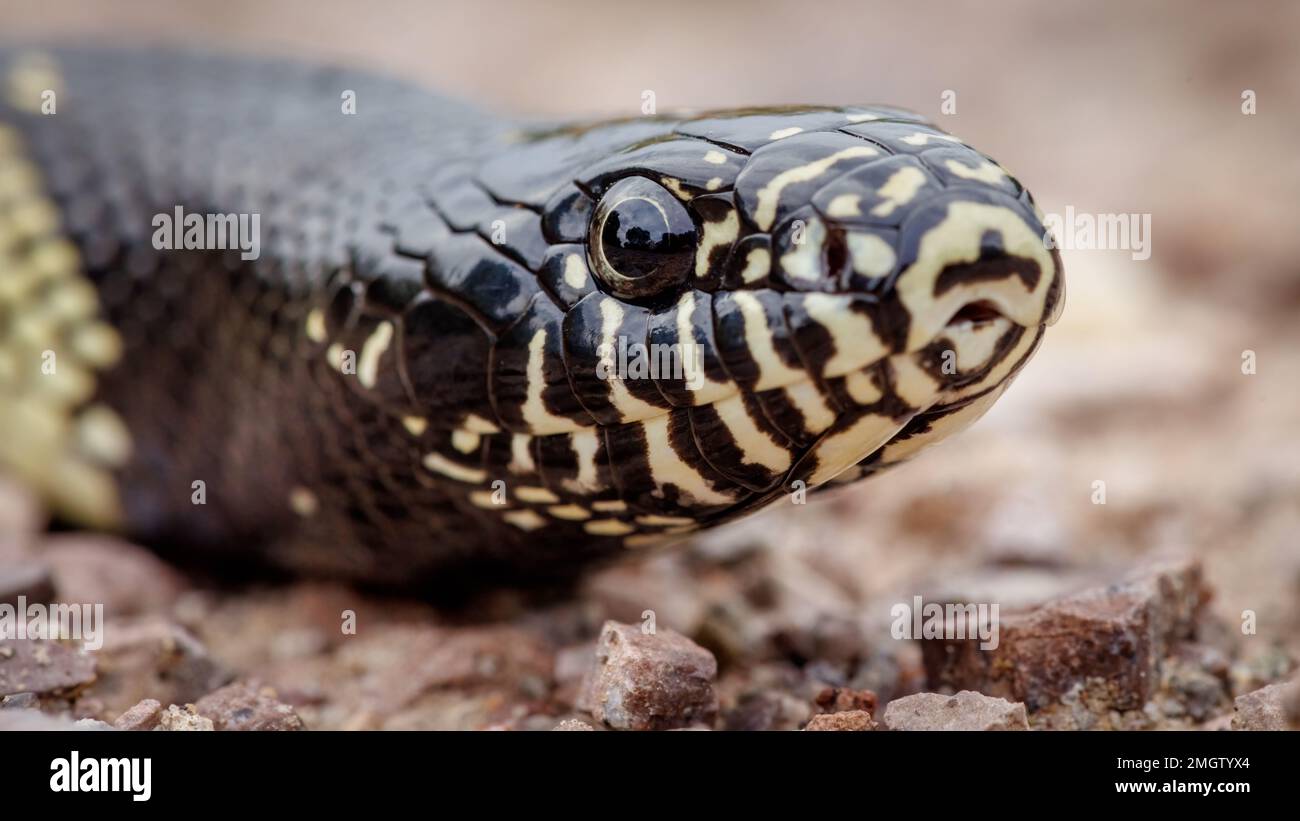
x: 976, y: 312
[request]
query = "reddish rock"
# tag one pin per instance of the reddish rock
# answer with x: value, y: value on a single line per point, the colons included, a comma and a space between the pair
x: 28, y: 579
x: 176, y: 718
x: 964, y: 711
x: 127, y: 579
x: 1275, y: 707
x: 21, y: 514
x: 144, y: 716
x: 152, y: 658
x: 246, y: 706
x: 571, y: 724
x: 39, y: 666
x: 843, y: 699
x: 1110, y: 639
x: 846, y: 720
x: 651, y: 682
x: 767, y: 710
x: 35, y: 720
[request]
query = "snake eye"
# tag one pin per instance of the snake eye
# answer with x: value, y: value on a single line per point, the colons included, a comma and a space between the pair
x: 642, y: 239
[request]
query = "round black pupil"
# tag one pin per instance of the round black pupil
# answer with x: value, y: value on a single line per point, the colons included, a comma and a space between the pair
x: 638, y: 240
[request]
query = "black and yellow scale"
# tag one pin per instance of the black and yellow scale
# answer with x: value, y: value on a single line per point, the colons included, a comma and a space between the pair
x: 431, y: 357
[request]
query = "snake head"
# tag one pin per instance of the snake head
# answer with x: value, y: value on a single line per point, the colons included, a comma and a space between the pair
x: 703, y: 315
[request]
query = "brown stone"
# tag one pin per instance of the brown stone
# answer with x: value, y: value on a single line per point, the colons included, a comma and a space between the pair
x: 40, y: 666
x: 35, y: 720
x: 143, y: 716
x: 855, y: 720
x: 768, y: 709
x: 247, y: 706
x: 1275, y: 707
x: 1110, y: 639
x: 29, y: 580
x: 152, y: 658
x: 651, y: 682
x: 176, y: 718
x: 127, y: 579
x: 572, y: 724
x: 842, y: 699
x: 964, y: 711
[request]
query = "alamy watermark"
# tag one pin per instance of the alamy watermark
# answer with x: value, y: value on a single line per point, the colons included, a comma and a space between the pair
x: 951, y: 621
x: 1075, y: 231
x: 637, y: 360
x: 208, y: 232
x: 58, y: 622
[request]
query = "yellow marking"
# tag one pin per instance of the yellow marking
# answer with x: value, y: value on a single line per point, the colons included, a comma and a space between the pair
x: 862, y: 388
x: 973, y: 343
x: 770, y: 194
x: 666, y: 467
x: 575, y: 271
x: 656, y: 520
x: 103, y: 437
x: 804, y: 259
x: 608, y: 527
x: 844, y: 206
x: 984, y: 172
x: 97, y: 343
x: 782, y: 133
x: 438, y: 463
x: 714, y: 183
x: 334, y: 356
x: 521, y: 458
x: 477, y: 424
x: 303, y: 502
x: 856, y: 342
x: 817, y: 416
x: 609, y: 506
x: 524, y: 519
x: 31, y: 75
x: 415, y: 425
x: 675, y: 185
x: 51, y: 348
x: 871, y: 256
x: 572, y: 513
x: 921, y: 138
x: 956, y: 240
x: 755, y: 446
x: 371, y: 350
x: 758, y: 264
x: 862, y: 118
x: 912, y: 383
x: 941, y: 428
x: 999, y: 372
x: 628, y: 406
x: 315, y: 325
x: 465, y: 441
x: 483, y: 498
x: 714, y: 157
x: 536, y: 415
x: 702, y: 388
x: 716, y: 235
x: 899, y: 189
x: 537, y: 495
x: 772, y: 371
x: 842, y: 450
x: 585, y: 444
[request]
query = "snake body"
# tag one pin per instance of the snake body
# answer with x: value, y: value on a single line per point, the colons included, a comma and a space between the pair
x: 455, y: 346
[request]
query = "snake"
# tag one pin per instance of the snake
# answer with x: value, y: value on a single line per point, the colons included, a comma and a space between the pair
x: 258, y: 312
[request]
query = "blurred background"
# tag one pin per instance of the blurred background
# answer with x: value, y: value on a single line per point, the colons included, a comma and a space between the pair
x: 1102, y: 107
